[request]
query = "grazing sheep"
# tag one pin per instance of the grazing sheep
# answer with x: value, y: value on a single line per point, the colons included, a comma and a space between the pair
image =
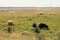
x: 36, y: 28
x: 34, y: 25
x: 43, y: 26
x: 10, y: 22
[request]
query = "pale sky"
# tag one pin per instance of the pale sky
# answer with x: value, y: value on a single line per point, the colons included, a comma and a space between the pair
x: 29, y: 3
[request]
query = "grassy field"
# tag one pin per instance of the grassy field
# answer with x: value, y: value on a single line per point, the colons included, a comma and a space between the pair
x: 50, y: 16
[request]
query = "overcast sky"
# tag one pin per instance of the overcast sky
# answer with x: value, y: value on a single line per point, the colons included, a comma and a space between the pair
x: 29, y: 3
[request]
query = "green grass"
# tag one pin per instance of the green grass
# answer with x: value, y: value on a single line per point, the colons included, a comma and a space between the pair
x: 22, y: 23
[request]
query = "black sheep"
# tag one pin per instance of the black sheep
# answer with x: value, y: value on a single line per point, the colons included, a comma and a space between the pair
x: 34, y: 25
x: 43, y: 26
x: 36, y: 28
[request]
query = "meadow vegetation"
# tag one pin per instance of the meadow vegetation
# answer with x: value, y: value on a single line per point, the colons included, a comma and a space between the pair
x: 51, y: 17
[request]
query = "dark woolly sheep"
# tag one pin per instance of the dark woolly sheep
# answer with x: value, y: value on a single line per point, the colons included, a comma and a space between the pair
x: 43, y: 26
x: 36, y: 28
x: 34, y: 25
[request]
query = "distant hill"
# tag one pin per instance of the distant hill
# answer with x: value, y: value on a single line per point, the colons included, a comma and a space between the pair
x: 31, y: 9
x: 37, y: 8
